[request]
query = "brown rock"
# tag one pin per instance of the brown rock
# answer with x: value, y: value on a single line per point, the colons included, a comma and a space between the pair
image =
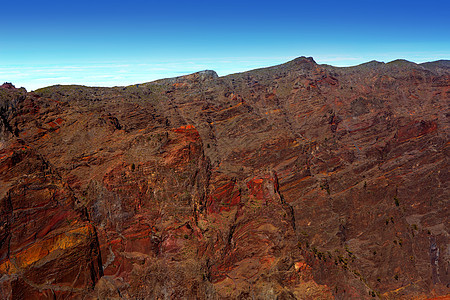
x: 299, y: 181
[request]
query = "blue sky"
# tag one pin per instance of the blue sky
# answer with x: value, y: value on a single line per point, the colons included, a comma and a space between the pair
x: 107, y: 43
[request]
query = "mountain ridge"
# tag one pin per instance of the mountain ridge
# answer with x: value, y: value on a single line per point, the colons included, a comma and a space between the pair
x: 432, y: 65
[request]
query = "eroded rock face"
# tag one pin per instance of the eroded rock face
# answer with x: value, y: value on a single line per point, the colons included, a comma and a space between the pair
x: 48, y: 248
x: 300, y: 181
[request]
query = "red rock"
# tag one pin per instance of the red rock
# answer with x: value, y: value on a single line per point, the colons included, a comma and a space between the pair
x: 296, y: 181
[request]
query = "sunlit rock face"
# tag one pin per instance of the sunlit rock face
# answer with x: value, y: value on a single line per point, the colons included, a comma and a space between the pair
x: 299, y: 181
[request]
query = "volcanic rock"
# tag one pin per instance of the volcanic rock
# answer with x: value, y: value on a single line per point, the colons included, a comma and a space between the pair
x: 298, y: 181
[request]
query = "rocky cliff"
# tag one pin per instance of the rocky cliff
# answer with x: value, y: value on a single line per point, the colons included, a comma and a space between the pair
x: 299, y: 181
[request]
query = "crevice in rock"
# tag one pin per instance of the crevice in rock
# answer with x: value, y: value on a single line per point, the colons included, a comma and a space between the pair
x: 95, y: 251
x: 286, y: 206
x: 5, y: 122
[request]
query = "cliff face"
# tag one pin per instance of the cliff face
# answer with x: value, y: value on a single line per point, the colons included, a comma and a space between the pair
x: 297, y: 181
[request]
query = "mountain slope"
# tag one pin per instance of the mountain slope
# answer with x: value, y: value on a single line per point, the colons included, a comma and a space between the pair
x: 298, y: 181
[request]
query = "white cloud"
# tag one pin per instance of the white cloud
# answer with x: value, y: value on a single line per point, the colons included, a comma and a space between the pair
x: 125, y: 73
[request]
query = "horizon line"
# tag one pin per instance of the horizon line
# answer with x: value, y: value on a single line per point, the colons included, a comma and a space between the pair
x: 116, y: 75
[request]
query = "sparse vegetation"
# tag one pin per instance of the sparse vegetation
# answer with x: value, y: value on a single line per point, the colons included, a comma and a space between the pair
x: 325, y: 186
x: 397, y: 203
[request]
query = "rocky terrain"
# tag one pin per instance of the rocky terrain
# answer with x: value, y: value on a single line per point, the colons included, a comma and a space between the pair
x: 299, y: 181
